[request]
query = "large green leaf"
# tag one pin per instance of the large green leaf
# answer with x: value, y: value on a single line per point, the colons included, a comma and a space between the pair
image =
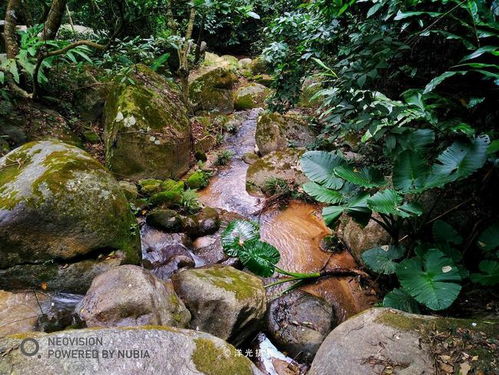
x: 489, y: 239
x: 366, y: 177
x: 260, y: 257
x: 461, y: 159
x: 390, y: 202
x: 237, y: 233
x: 431, y: 280
x: 401, y: 300
x: 382, y: 259
x: 322, y: 194
x: 445, y: 233
x: 409, y: 172
x: 356, y: 208
x: 489, y: 275
x: 319, y: 166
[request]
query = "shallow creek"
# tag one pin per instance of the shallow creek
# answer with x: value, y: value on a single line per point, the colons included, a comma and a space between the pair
x: 296, y: 231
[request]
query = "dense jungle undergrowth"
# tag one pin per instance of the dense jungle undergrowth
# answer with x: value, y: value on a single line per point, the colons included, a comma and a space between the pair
x: 402, y: 96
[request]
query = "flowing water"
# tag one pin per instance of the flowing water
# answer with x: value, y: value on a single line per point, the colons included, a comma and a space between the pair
x: 296, y: 231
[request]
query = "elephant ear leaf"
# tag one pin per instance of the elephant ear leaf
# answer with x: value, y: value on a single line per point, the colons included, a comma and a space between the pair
x: 260, y: 257
x: 365, y: 177
x: 390, y: 202
x: 356, y: 207
x: 399, y: 299
x: 322, y: 194
x: 460, y: 160
x: 489, y: 239
x: 319, y: 167
x: 409, y: 172
x: 489, y: 273
x: 431, y: 280
x: 236, y: 234
x: 382, y: 259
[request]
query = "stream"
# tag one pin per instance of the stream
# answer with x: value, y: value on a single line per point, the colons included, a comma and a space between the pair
x: 295, y: 231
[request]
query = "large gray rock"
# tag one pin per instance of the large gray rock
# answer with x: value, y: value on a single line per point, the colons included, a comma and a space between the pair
x: 59, y: 210
x: 406, y: 344
x: 223, y: 301
x: 147, y: 131
x: 359, y: 239
x: 19, y: 312
x: 140, y: 350
x: 299, y: 322
x: 276, y: 132
x: 131, y: 296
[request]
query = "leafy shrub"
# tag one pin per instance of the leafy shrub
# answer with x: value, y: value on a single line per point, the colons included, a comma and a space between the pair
x: 361, y: 191
x: 223, y: 157
x: 276, y: 186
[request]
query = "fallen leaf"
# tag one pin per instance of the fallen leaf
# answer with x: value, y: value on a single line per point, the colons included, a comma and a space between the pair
x: 464, y: 368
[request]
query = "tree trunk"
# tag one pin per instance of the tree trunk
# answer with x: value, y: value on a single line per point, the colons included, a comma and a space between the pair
x: 54, y: 19
x: 11, y: 15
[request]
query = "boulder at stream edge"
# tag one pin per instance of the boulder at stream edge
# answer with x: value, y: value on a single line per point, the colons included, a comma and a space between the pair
x: 143, y: 350
x: 63, y: 219
x: 132, y: 296
x: 223, y: 301
x: 147, y: 131
x: 408, y: 344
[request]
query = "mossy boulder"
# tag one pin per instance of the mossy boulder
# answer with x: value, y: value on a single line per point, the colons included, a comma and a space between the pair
x: 211, y: 89
x: 166, y: 220
x: 152, y: 349
x: 223, y: 301
x: 378, y: 338
x: 283, y: 165
x: 251, y: 96
x: 258, y: 66
x: 276, y: 132
x: 131, y: 296
x: 147, y: 131
x: 59, y: 206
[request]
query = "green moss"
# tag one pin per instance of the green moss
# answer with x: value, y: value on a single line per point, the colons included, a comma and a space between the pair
x: 197, y: 180
x: 172, y: 185
x: 150, y: 186
x: 400, y: 321
x: 243, y: 285
x: 166, y: 198
x: 211, y: 359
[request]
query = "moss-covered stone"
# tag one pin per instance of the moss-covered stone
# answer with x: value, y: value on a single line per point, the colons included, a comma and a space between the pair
x: 276, y: 132
x: 147, y: 131
x: 166, y: 220
x: 236, y: 300
x: 197, y: 180
x: 58, y: 203
x: 161, y: 350
x: 409, y: 344
x: 211, y: 89
x: 251, y: 96
x: 166, y: 199
x: 211, y: 359
x: 283, y: 165
x: 150, y: 186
